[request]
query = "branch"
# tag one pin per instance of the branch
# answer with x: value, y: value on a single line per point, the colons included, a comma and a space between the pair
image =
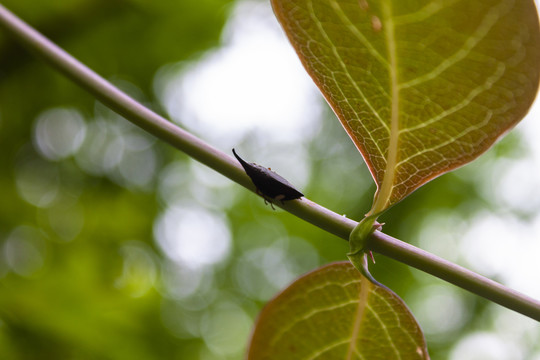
x: 226, y: 165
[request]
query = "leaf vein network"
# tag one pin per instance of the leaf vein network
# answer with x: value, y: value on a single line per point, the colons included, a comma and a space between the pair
x: 385, y: 329
x: 424, y: 13
x: 451, y: 140
x: 350, y: 78
x: 357, y: 33
x: 487, y: 23
x: 397, y: 317
x: 327, y: 348
x: 488, y: 83
x: 284, y: 330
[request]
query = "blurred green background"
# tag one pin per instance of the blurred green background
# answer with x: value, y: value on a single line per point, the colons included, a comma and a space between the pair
x: 116, y: 246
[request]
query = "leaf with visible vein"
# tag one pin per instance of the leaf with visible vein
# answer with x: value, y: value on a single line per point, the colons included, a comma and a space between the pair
x: 421, y: 87
x: 336, y: 313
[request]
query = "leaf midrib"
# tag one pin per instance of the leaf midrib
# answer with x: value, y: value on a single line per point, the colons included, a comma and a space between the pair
x: 385, y: 191
x: 365, y: 288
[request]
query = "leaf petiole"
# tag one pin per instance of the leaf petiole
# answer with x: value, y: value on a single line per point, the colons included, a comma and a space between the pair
x: 357, y: 244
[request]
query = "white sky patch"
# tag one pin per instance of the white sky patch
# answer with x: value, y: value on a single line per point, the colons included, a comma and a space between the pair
x: 503, y: 243
x: 192, y: 236
x: 254, y: 82
x: 505, y: 248
x: 485, y: 346
x: 516, y: 182
x: 426, y: 304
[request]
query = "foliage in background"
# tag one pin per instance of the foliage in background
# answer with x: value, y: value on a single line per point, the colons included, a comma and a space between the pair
x: 81, y: 274
x: 78, y: 266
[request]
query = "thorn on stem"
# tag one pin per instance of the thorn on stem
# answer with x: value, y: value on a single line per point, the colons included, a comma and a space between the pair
x: 371, y: 256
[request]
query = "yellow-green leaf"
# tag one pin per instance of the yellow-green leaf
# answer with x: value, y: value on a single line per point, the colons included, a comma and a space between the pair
x: 336, y: 313
x: 421, y: 87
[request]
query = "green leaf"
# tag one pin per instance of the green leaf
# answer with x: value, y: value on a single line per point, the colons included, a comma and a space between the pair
x: 421, y: 87
x: 336, y: 313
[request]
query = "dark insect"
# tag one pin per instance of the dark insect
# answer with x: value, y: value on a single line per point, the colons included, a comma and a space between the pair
x: 269, y: 184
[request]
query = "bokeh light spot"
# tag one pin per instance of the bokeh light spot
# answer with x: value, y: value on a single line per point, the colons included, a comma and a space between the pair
x: 120, y: 151
x: 485, y: 346
x: 193, y: 236
x: 58, y: 133
x: 441, y: 310
x: 24, y: 251
x: 225, y: 329
x: 139, y: 271
x: 254, y: 81
x: 66, y: 220
x: 38, y: 181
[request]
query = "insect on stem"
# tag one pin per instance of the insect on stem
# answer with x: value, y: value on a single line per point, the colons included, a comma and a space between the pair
x: 271, y: 186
